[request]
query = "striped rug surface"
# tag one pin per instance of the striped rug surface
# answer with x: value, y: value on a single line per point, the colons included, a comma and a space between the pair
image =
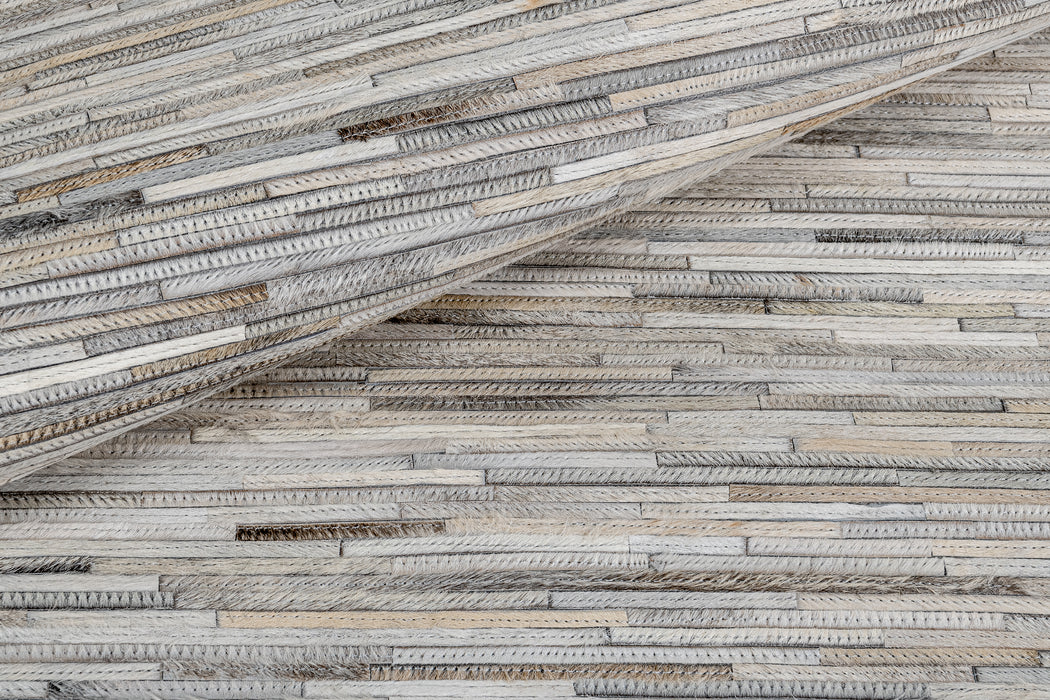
x: 780, y: 435
x: 195, y: 190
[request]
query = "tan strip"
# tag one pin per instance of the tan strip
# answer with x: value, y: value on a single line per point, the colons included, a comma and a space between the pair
x: 444, y: 618
x: 155, y: 313
x: 912, y: 448
x: 115, y: 172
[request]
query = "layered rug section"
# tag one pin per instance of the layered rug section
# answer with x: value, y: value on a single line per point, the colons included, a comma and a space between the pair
x: 193, y: 191
x: 780, y: 435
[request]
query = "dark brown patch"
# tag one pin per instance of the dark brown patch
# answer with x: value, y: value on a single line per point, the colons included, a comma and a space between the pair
x: 399, y: 122
x: 336, y: 531
x: 45, y: 565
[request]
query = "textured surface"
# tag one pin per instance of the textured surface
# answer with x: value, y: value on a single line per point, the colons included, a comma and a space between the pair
x: 782, y: 435
x: 191, y: 190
